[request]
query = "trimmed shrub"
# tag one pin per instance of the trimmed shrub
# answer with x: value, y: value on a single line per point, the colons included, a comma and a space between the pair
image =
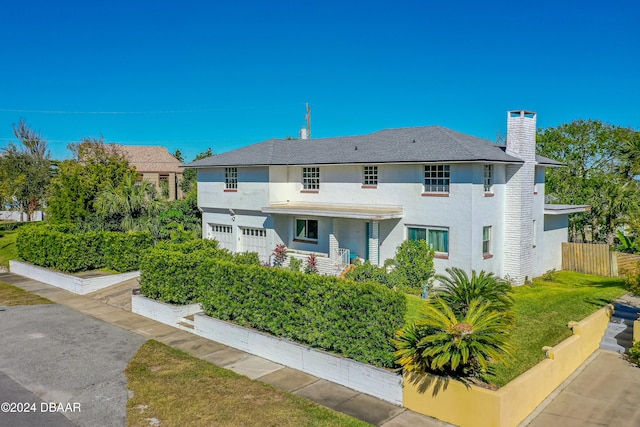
x: 48, y: 247
x: 193, y: 245
x: 171, y: 276
x: 59, y: 248
x: 357, y: 320
x: 122, y: 251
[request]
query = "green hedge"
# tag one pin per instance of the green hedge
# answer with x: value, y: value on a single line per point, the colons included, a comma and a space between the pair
x: 59, y: 248
x: 171, y: 276
x: 357, y: 320
x: 173, y: 272
x: 122, y: 251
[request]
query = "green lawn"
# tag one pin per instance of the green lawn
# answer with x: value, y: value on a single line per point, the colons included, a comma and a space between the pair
x: 8, y: 247
x: 178, y: 389
x: 542, y: 313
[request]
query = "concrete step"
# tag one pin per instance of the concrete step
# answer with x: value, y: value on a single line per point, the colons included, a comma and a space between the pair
x: 621, y: 320
x: 187, y: 325
x: 626, y: 308
x: 619, y: 345
x: 626, y: 335
x: 188, y: 322
x: 613, y: 347
x: 627, y: 315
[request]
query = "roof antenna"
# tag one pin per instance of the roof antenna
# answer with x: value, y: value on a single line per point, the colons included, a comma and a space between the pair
x: 305, y: 132
x: 308, y: 117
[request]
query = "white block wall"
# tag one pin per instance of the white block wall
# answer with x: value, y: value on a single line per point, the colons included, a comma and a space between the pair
x: 519, y: 213
x: 367, y: 379
x: 71, y: 283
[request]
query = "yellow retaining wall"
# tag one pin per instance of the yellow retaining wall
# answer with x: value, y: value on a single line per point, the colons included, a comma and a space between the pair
x: 636, y: 330
x: 508, y: 406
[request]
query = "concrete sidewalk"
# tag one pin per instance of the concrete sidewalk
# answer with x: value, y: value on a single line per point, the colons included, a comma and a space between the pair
x: 604, y: 391
x: 114, y: 310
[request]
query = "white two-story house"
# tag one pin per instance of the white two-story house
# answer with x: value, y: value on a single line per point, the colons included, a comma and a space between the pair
x: 478, y: 204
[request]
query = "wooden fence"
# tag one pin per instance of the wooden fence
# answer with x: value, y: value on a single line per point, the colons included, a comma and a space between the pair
x: 593, y: 258
x: 626, y: 262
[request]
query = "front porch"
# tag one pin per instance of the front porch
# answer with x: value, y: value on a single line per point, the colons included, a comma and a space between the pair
x: 336, y: 235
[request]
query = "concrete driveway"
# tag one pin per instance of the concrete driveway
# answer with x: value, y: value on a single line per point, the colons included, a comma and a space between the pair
x: 66, y: 362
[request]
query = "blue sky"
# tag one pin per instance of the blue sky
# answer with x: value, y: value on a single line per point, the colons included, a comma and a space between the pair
x: 193, y: 75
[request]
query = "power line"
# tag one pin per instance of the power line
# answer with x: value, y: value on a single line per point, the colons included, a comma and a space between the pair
x: 216, y: 110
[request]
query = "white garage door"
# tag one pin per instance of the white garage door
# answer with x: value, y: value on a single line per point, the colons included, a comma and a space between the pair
x: 255, y: 240
x: 223, y: 234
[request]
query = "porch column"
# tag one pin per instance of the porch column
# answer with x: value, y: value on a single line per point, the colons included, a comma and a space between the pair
x: 374, y: 242
x: 333, y: 239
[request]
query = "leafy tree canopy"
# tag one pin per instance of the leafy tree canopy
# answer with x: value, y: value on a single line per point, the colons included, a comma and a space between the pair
x: 95, y: 167
x: 191, y: 175
x: 25, y: 170
x: 601, y: 160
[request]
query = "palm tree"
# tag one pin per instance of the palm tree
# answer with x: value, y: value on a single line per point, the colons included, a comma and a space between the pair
x: 134, y: 202
x: 458, y: 290
x: 448, y: 344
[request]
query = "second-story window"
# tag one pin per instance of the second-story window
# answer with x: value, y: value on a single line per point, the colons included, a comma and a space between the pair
x: 310, y: 178
x: 231, y: 178
x: 370, y: 175
x: 436, y: 178
x: 488, y: 178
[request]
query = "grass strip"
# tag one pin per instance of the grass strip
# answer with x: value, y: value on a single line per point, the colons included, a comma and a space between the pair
x: 11, y: 295
x: 172, y: 388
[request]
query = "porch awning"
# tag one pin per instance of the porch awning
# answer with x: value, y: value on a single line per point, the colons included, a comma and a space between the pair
x: 373, y: 213
x: 551, y: 209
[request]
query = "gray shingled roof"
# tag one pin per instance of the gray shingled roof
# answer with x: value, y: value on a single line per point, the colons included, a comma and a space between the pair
x: 407, y: 145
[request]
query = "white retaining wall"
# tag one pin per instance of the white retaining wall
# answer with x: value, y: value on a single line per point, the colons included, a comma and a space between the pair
x: 365, y: 378
x: 69, y: 282
x: 168, y: 314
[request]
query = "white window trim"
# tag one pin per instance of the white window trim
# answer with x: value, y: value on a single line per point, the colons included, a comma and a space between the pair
x: 488, y: 178
x: 446, y: 169
x: 231, y: 178
x: 305, y: 239
x: 428, y: 228
x: 308, y: 183
x: 489, y: 252
x: 368, y: 177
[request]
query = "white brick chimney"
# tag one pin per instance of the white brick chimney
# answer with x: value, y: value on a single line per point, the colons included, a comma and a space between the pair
x: 518, y: 238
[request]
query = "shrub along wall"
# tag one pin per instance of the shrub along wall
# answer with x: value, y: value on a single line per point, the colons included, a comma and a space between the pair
x: 357, y: 320
x: 59, y: 248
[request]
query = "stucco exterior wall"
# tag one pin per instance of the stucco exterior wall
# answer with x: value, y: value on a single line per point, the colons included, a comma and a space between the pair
x: 554, y: 233
x: 464, y: 211
x: 252, y: 192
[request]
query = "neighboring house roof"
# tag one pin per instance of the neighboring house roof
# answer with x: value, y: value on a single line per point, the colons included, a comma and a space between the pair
x: 406, y: 145
x: 150, y: 158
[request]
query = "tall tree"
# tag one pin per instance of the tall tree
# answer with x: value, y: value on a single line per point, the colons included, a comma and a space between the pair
x: 191, y: 175
x: 134, y: 204
x: 25, y: 170
x: 598, y: 173
x: 73, y: 191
